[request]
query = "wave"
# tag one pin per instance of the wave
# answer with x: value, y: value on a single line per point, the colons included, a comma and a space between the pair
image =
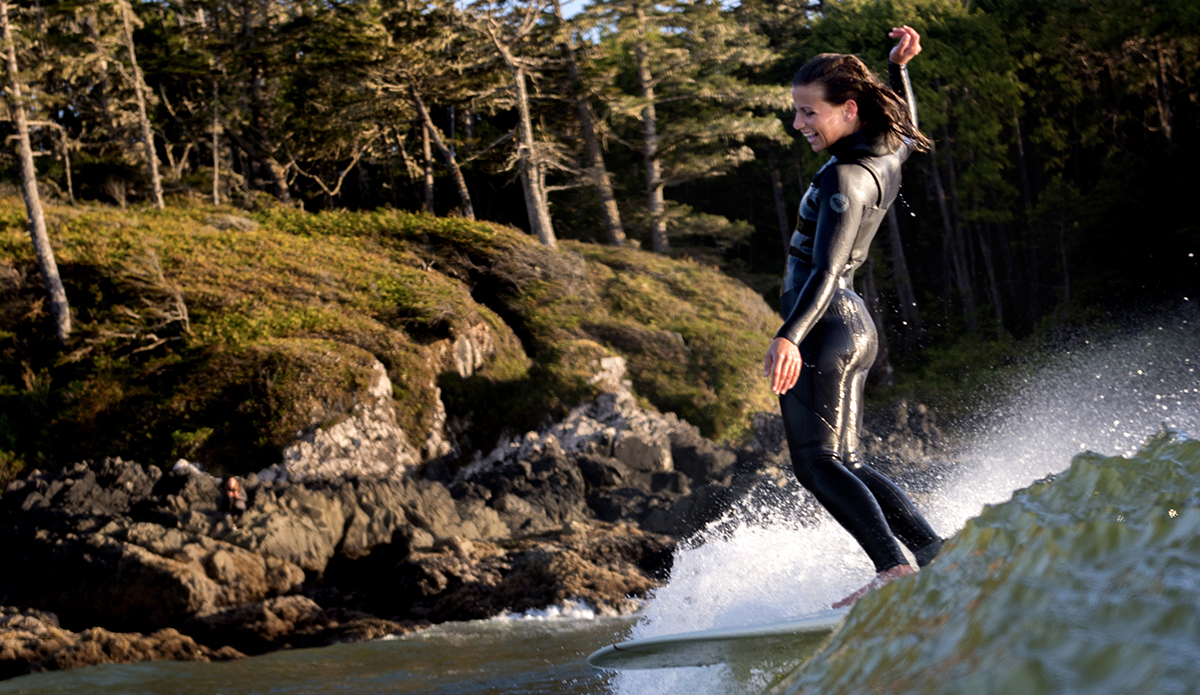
x: 1104, y: 395
x: 1088, y: 581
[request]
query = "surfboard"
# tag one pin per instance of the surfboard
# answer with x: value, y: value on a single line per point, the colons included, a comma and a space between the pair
x: 721, y: 645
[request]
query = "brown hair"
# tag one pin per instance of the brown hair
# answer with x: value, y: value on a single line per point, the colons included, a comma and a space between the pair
x: 881, y: 110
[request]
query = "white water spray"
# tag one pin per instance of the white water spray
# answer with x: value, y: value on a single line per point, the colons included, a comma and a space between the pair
x: 1108, y: 397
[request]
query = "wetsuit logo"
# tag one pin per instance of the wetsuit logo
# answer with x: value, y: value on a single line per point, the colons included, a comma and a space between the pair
x: 839, y: 202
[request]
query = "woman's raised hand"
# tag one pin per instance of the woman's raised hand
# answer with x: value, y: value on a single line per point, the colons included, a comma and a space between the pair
x: 782, y: 365
x: 908, y: 47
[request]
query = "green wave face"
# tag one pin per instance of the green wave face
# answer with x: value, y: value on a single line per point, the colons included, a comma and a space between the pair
x: 1085, y: 582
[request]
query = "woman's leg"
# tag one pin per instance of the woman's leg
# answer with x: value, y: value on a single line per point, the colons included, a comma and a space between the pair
x: 816, y: 414
x: 902, y: 517
x: 819, y: 469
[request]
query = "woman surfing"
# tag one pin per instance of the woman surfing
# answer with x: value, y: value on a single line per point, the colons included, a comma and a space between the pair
x: 819, y: 359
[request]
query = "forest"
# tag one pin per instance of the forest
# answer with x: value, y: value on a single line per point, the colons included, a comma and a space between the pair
x: 1061, y: 184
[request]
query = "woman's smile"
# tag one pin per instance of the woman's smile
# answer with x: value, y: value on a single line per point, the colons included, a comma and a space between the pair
x: 820, y: 122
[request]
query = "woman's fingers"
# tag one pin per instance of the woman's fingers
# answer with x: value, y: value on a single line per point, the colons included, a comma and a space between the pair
x: 777, y: 374
x: 914, y: 41
x: 909, y: 45
x: 791, y: 377
x: 782, y: 365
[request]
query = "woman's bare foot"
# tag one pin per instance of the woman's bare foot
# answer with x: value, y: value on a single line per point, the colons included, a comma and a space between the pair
x: 880, y: 579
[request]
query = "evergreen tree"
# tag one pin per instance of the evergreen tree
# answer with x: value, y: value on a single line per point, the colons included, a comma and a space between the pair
x: 681, y: 84
x: 509, y: 30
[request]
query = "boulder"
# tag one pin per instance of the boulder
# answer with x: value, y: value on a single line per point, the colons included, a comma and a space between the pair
x: 135, y: 575
x: 596, y: 427
x: 308, y: 524
x: 904, y: 441
x: 367, y: 442
x: 531, y: 496
x: 644, y: 453
x: 108, y: 487
x: 699, y: 458
x: 289, y: 621
x: 608, y: 566
x: 32, y: 641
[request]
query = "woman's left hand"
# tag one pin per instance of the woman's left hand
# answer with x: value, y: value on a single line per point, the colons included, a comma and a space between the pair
x: 782, y: 365
x: 909, y: 46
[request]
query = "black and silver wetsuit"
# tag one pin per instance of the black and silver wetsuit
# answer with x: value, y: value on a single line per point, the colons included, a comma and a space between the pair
x: 839, y: 215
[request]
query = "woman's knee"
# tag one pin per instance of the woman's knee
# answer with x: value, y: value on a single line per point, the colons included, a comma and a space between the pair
x: 810, y: 462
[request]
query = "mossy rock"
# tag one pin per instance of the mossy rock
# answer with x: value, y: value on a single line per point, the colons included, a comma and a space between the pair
x: 284, y: 321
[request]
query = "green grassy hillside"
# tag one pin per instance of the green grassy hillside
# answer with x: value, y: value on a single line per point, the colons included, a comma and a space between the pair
x: 218, y: 338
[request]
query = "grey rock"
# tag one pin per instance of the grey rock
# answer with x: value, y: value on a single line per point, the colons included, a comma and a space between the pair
x: 641, y: 452
x: 289, y: 621
x: 107, y: 487
x: 366, y: 443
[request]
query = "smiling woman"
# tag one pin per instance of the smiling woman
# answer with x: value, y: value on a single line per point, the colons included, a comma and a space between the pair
x: 819, y: 359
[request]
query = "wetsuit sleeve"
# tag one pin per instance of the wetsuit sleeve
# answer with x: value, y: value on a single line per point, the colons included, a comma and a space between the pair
x: 898, y: 79
x: 843, y: 189
x: 900, y: 84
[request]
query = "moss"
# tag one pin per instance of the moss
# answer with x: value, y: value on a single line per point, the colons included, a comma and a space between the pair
x: 283, y: 323
x: 695, y: 337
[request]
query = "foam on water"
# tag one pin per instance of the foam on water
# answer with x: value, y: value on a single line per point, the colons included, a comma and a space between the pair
x: 571, y: 610
x: 1107, y: 396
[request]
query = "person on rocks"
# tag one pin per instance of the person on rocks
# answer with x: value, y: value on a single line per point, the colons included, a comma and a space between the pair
x: 819, y: 359
x: 233, y: 500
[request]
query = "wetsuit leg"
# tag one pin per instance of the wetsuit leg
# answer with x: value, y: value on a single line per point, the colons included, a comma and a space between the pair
x: 815, y: 414
x: 902, y: 517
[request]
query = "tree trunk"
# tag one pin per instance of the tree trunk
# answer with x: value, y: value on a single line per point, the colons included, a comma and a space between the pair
x: 143, y: 119
x: 881, y: 371
x: 597, y: 171
x: 216, y: 128
x: 953, y: 246
x: 1163, y: 97
x: 1031, y: 235
x: 781, y: 212
x: 654, y: 183
x: 427, y: 161
x: 60, y: 311
x: 102, y: 88
x: 264, y: 148
x: 1012, y: 275
x: 469, y: 125
x: 430, y: 129
x: 531, y: 175
x: 989, y: 264
x: 66, y: 146
x: 904, y: 287
x: 964, y: 239
x: 1062, y: 247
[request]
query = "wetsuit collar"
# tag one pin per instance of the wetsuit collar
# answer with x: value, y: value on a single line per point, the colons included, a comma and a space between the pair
x: 860, y: 144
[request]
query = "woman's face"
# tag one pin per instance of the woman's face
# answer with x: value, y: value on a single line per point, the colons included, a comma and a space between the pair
x: 820, y: 122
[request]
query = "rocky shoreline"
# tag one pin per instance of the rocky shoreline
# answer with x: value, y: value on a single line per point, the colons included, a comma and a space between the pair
x: 112, y: 561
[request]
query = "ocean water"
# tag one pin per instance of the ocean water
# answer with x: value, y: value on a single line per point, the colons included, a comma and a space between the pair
x: 1068, y: 572
x: 539, y: 653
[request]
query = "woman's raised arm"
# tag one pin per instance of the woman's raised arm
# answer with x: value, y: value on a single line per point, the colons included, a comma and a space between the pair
x: 905, y: 50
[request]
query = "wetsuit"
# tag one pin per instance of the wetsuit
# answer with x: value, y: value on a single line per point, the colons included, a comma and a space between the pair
x: 839, y: 215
